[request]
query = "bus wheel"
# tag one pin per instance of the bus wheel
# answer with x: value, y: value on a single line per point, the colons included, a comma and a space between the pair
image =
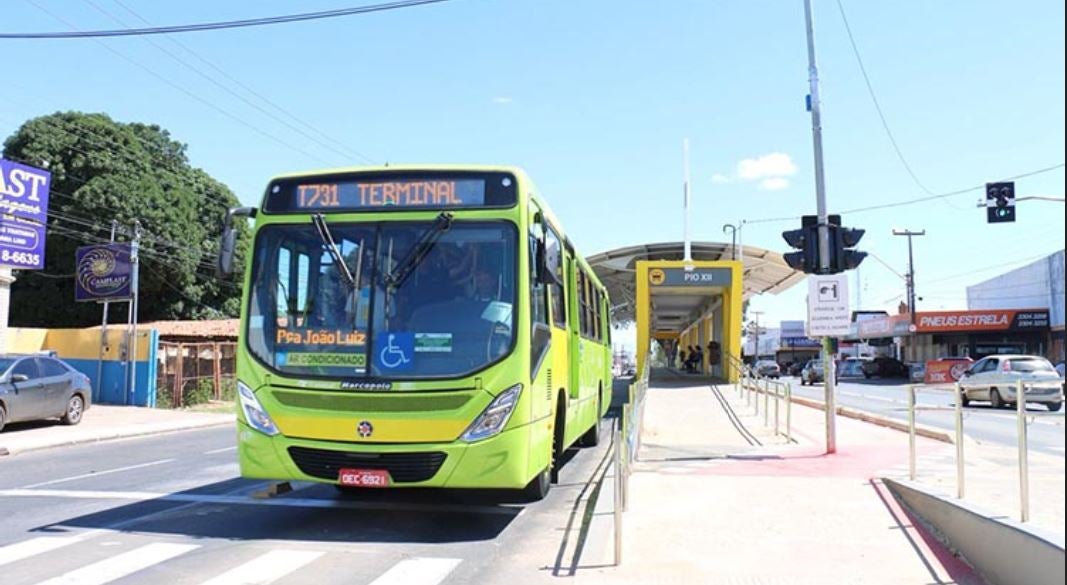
x: 539, y: 486
x: 591, y: 438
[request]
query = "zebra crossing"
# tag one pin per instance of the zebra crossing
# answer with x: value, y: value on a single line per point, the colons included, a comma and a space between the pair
x: 100, y: 557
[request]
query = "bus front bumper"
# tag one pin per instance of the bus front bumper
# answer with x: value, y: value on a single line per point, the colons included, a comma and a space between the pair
x: 501, y: 461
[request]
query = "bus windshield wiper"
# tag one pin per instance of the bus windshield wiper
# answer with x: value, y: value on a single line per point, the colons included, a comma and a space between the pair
x: 330, y: 246
x: 406, y: 267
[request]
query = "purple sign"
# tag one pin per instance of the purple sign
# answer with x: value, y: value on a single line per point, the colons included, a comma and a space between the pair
x: 102, y: 272
x: 23, y: 214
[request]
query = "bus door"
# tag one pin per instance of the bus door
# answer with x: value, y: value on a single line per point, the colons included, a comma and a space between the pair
x: 577, y: 345
x: 561, y: 336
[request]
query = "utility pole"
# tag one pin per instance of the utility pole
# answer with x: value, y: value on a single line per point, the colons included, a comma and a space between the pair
x: 910, y: 280
x: 99, y: 386
x: 824, y: 232
x: 132, y: 344
x: 685, y: 189
x: 756, y: 356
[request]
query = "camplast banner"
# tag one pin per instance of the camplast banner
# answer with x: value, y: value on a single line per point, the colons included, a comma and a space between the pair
x: 23, y: 214
x: 103, y: 273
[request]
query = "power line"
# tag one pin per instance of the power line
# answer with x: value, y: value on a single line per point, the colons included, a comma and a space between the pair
x: 920, y: 199
x: 186, y: 91
x: 182, y: 28
x: 877, y: 105
x: 223, y: 87
x: 248, y: 89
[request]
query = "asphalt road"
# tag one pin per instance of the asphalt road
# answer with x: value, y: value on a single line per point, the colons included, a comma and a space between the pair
x: 172, y: 509
x: 935, y: 408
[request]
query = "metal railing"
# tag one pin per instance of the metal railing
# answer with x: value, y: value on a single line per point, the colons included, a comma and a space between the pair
x: 750, y: 385
x: 627, y: 444
x: 1021, y: 391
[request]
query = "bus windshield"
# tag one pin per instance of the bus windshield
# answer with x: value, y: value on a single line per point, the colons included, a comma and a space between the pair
x: 450, y: 316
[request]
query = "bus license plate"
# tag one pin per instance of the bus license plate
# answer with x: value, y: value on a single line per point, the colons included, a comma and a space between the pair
x: 368, y: 478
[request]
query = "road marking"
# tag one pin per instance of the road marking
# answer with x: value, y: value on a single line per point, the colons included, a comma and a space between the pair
x: 223, y: 450
x: 96, y: 473
x: 285, y: 502
x: 122, y: 565
x: 33, y: 546
x: 266, y: 568
x: 418, y: 571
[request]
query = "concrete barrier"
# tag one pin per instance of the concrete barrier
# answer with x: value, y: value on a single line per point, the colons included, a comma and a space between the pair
x: 1005, y: 552
x: 920, y: 430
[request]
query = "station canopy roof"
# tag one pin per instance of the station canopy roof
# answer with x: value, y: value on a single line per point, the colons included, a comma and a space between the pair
x: 764, y: 271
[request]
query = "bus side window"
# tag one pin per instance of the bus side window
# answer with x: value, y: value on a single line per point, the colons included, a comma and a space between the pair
x: 554, y: 248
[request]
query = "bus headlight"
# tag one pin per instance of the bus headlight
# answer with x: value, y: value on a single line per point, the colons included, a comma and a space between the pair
x: 495, y: 416
x: 255, y: 414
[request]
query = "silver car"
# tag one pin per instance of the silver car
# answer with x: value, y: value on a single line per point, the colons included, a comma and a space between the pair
x: 40, y: 387
x: 812, y: 372
x: 994, y: 378
x: 768, y: 369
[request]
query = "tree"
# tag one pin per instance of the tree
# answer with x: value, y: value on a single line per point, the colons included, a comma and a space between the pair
x: 103, y: 170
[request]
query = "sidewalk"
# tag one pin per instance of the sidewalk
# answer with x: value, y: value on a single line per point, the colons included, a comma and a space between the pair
x: 102, y: 422
x: 708, y: 505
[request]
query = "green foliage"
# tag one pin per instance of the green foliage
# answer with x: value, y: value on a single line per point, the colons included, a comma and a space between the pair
x: 201, y: 393
x: 229, y: 389
x: 164, y: 398
x: 103, y: 170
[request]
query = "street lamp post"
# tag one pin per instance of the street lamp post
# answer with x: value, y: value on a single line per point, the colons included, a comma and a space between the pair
x: 911, y: 269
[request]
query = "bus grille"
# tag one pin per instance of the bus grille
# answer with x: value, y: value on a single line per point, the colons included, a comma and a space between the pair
x: 375, y: 403
x: 402, y: 467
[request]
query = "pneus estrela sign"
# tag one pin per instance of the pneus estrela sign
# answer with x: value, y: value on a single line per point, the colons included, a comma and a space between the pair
x: 983, y: 320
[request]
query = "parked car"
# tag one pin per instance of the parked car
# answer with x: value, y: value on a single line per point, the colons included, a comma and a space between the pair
x: 34, y: 387
x: 812, y: 372
x: 885, y: 367
x: 768, y: 369
x: 851, y: 367
x: 794, y: 368
x: 994, y: 378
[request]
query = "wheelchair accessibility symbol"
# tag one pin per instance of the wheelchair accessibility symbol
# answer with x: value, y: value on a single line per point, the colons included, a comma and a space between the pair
x: 394, y: 351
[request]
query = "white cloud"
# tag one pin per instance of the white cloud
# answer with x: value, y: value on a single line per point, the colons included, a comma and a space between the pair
x: 502, y: 100
x: 720, y: 179
x: 774, y: 184
x: 775, y: 164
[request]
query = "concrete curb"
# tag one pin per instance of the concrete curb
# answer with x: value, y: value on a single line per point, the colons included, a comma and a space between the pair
x: 1003, y: 551
x: 146, y: 430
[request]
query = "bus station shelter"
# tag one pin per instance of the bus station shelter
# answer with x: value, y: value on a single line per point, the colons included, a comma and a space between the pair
x: 699, y: 303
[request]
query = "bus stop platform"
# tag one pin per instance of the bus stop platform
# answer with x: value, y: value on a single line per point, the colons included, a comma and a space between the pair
x: 717, y: 497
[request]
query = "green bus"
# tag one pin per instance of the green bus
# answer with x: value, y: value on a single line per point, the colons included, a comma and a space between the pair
x: 427, y: 326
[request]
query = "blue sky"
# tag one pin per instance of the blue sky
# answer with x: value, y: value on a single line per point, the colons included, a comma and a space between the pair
x: 594, y: 97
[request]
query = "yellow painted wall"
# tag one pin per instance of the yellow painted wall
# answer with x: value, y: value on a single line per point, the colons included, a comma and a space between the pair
x: 76, y: 343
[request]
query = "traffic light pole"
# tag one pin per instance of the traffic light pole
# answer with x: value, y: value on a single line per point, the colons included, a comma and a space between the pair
x: 824, y: 231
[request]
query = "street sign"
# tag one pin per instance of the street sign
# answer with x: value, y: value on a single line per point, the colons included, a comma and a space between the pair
x: 23, y: 215
x: 828, y: 311
x: 103, y: 273
x: 694, y: 277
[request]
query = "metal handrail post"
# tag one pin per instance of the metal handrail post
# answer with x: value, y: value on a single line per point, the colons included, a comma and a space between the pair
x: 789, y: 411
x: 959, y: 441
x: 766, y: 402
x: 911, y: 431
x: 618, y: 498
x: 777, y: 399
x: 1024, y: 463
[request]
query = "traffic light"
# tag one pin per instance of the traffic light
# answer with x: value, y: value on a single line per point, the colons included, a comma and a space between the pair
x: 843, y: 239
x: 806, y: 241
x: 1000, y: 202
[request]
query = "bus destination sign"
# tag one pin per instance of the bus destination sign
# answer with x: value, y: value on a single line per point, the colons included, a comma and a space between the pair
x: 390, y: 192
x: 352, y: 195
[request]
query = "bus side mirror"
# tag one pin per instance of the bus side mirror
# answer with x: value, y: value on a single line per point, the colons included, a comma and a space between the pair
x: 228, y: 241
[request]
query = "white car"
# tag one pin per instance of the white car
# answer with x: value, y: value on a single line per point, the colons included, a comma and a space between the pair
x: 994, y: 378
